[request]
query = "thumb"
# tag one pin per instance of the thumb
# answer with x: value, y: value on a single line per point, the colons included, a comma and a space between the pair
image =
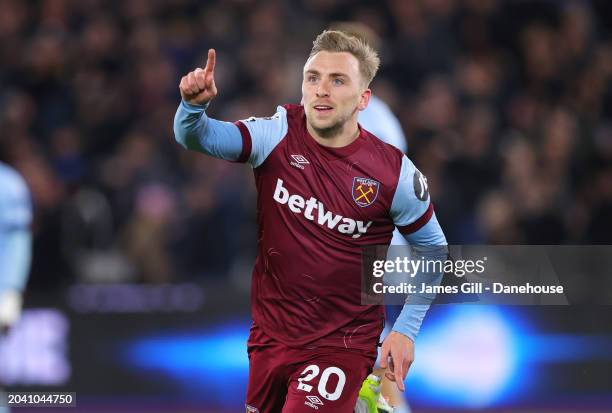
x: 213, y: 87
x: 210, y: 79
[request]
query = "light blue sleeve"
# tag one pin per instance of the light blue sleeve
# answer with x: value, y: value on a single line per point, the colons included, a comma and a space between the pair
x: 194, y: 130
x: 15, y: 237
x: 428, y: 242
x: 249, y: 140
x: 412, y: 213
x: 15, y: 259
x: 15, y: 204
x: 378, y: 119
x: 411, y: 200
x: 265, y: 134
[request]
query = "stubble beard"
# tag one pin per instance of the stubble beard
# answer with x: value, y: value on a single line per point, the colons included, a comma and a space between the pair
x: 335, y: 129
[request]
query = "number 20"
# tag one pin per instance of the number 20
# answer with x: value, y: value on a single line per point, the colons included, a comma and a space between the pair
x: 312, y: 371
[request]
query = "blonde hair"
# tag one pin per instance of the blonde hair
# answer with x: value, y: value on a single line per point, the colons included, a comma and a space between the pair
x: 336, y: 41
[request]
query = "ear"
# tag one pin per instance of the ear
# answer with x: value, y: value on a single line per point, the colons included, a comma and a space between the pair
x: 364, y: 99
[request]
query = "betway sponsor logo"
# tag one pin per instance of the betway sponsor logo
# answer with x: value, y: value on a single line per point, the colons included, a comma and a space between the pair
x: 298, y: 205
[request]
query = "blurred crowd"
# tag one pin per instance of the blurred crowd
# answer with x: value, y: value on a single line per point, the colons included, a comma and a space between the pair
x: 506, y: 105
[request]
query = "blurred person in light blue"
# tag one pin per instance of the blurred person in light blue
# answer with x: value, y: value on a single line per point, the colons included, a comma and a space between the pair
x: 15, y: 247
x: 378, y: 119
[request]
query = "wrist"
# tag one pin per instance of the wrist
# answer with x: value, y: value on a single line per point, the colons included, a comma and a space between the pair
x: 406, y: 334
x: 194, y: 107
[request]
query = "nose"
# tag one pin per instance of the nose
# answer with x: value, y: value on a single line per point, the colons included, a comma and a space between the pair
x: 322, y: 90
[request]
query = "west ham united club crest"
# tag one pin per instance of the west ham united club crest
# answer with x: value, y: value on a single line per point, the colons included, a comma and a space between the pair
x: 365, y: 191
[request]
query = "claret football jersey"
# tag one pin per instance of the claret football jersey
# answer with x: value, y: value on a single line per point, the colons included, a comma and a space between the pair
x: 316, y: 208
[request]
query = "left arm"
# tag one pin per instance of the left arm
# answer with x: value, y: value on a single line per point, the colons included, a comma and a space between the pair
x: 413, y: 214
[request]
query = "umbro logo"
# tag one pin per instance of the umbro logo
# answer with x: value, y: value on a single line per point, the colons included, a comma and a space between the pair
x: 299, y: 161
x: 313, y: 401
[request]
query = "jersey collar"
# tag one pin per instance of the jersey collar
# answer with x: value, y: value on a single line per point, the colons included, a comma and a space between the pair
x: 334, y: 153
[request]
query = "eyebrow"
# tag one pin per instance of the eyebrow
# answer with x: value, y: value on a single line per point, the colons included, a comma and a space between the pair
x: 335, y: 74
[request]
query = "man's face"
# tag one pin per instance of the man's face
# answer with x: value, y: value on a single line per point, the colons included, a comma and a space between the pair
x: 333, y: 91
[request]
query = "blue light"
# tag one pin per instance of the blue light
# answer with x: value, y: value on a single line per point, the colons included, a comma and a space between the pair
x: 466, y: 357
x: 566, y: 348
x: 206, y: 365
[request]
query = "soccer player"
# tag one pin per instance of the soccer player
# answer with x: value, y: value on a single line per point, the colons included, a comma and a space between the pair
x: 326, y: 188
x: 15, y: 246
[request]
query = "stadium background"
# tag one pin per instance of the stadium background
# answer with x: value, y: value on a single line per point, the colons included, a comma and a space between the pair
x: 138, y: 295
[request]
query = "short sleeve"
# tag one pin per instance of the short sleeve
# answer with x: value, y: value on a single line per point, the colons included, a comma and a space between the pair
x: 261, y: 135
x: 411, y: 208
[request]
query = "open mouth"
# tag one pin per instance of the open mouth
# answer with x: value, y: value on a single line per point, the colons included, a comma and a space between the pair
x: 322, y: 108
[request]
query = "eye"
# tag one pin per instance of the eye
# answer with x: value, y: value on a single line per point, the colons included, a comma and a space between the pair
x: 311, y: 78
x: 337, y: 81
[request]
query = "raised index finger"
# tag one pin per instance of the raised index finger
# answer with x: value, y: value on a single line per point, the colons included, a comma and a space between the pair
x: 210, y: 62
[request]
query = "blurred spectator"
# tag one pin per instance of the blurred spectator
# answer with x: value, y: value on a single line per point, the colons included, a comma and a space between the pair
x: 506, y: 106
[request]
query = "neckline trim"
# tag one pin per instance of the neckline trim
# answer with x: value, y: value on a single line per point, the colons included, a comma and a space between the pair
x: 334, y: 153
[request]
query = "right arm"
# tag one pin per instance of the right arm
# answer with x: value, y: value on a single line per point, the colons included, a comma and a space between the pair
x: 249, y: 140
x: 194, y: 130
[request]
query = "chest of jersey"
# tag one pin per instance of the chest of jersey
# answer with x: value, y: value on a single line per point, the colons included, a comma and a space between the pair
x: 346, y: 195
